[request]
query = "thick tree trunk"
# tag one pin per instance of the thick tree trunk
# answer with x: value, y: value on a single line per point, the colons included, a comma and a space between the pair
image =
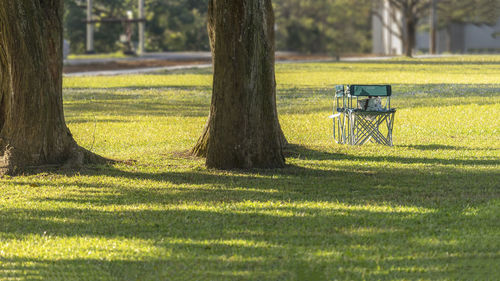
x: 243, y: 130
x: 32, y: 127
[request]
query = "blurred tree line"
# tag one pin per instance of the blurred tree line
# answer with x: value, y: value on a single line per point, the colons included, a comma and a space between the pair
x: 470, y: 11
x: 308, y: 26
x: 323, y: 26
x: 172, y: 25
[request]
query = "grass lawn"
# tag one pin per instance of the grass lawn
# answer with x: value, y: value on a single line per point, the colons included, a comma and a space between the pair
x: 426, y: 209
x: 115, y: 55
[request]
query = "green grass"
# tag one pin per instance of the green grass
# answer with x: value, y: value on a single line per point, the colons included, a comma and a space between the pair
x: 98, y: 56
x: 426, y: 209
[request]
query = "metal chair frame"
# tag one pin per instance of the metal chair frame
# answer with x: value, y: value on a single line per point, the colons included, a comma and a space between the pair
x: 355, y: 126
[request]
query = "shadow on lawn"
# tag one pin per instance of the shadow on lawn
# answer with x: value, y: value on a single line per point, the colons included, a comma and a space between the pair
x: 196, y: 244
x: 432, y: 147
x: 183, y: 103
x: 351, y: 183
x: 187, y: 102
x: 333, y: 239
x: 305, y: 153
x: 423, y: 62
x: 215, y: 263
x: 331, y: 226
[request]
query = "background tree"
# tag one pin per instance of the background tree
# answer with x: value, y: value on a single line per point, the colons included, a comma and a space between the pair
x: 107, y: 35
x: 320, y: 26
x: 32, y: 127
x: 407, y: 17
x: 466, y: 11
x: 177, y: 25
x: 174, y: 25
x: 243, y: 130
x: 323, y: 26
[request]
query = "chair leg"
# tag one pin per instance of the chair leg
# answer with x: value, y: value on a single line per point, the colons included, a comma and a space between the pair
x: 368, y: 129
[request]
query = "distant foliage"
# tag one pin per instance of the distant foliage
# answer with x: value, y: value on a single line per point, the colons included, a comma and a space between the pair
x: 172, y: 25
x: 324, y: 26
x: 472, y: 11
x: 74, y: 27
x: 320, y: 26
x: 177, y: 25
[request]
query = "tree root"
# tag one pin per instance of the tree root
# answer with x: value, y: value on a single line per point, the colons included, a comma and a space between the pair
x: 80, y: 156
x: 201, y: 146
x: 77, y: 157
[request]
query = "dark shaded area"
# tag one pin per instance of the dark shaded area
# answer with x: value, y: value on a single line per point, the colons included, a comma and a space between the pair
x: 314, y: 229
x: 421, y: 62
x: 184, y: 101
x: 305, y: 153
x: 167, y: 268
x: 304, y: 229
x: 125, y: 102
x: 431, y: 147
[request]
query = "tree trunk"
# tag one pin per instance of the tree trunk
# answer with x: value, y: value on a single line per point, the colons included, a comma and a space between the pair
x: 32, y: 127
x: 243, y: 130
x: 410, y: 34
x: 433, y: 28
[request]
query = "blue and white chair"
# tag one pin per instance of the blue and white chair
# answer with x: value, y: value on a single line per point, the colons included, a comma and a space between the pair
x: 357, y: 121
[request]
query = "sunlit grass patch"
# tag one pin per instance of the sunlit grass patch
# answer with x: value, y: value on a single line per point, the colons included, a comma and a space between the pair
x: 453, y: 70
x: 426, y: 208
x: 97, y: 56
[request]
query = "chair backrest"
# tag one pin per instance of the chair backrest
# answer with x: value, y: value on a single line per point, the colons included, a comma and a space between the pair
x: 370, y: 90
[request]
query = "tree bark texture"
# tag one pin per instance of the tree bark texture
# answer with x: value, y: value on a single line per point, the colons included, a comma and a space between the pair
x: 243, y: 130
x: 33, y: 131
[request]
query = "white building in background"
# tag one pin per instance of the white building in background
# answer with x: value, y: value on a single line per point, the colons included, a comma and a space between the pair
x: 385, y: 32
x: 459, y: 38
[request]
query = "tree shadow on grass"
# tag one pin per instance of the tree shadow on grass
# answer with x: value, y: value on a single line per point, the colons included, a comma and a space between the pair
x: 116, y: 103
x: 268, y: 242
x: 433, y: 147
x: 325, y: 220
x: 423, y: 62
x: 345, y: 178
x: 155, y: 108
x: 273, y: 237
x: 208, y: 265
x: 161, y: 102
x: 306, y: 153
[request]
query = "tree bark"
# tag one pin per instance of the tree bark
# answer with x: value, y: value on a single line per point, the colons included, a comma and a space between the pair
x: 433, y: 28
x: 243, y: 130
x: 33, y: 131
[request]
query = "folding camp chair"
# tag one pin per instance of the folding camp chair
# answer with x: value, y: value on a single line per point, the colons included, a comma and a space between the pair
x: 356, y: 122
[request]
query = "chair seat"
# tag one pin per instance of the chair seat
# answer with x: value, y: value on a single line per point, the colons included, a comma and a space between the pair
x: 374, y: 111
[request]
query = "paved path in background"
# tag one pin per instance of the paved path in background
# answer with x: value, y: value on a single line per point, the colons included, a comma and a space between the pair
x: 171, y: 56
x: 187, y: 56
x: 135, y: 71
